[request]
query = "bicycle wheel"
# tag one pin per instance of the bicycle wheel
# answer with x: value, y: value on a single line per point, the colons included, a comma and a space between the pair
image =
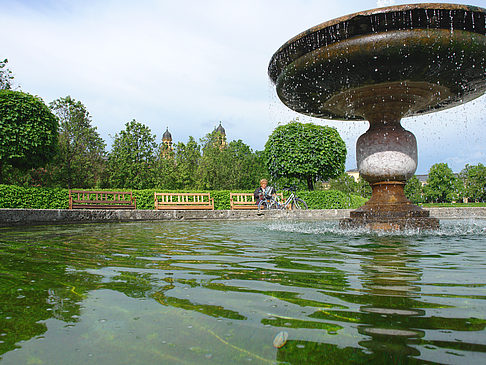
x: 299, y: 204
x: 263, y: 205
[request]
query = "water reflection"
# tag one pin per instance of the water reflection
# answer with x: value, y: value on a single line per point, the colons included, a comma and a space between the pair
x: 391, y: 279
x: 219, y: 292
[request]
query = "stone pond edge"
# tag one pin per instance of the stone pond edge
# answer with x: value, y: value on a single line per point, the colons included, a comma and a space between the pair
x: 21, y: 217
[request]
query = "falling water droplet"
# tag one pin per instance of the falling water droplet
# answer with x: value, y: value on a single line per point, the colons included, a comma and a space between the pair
x: 280, y: 339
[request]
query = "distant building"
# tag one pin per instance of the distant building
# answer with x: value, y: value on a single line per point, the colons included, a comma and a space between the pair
x: 167, y: 147
x: 167, y: 139
x: 222, y: 136
x: 354, y: 173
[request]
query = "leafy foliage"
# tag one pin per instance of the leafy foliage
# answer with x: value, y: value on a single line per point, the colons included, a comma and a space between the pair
x: 344, y: 183
x: 187, y: 158
x: 79, y: 161
x: 347, y: 184
x: 213, y: 168
x: 305, y: 151
x: 227, y: 166
x: 132, y: 158
x: 474, y: 180
x: 330, y: 199
x: 28, y: 130
x: 413, y: 190
x: 221, y: 199
x: 244, y: 167
x: 165, y: 171
x: 442, y: 185
x: 12, y: 196
x: 6, y: 76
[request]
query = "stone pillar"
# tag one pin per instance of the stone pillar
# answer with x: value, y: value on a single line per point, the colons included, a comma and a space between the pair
x: 387, y: 157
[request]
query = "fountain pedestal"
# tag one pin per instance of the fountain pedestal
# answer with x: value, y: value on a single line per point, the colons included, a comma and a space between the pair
x: 386, y: 155
x: 389, y: 209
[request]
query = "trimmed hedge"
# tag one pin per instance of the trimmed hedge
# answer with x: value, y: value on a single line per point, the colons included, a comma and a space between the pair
x: 330, y: 199
x: 12, y: 196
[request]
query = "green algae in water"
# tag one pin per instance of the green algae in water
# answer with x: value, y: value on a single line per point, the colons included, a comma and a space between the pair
x: 219, y: 293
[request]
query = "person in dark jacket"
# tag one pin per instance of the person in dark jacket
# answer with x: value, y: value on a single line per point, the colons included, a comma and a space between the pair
x: 264, y: 191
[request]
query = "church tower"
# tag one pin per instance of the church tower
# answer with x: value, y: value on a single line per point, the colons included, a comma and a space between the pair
x: 167, y: 139
x: 222, y: 136
x: 166, y: 147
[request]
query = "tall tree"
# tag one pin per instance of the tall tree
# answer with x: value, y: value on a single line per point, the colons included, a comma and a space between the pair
x: 6, y: 76
x: 187, y: 157
x: 442, y: 185
x: 347, y: 184
x: 166, y: 168
x: 305, y: 151
x: 413, y: 190
x: 344, y: 183
x: 213, y: 169
x: 474, y: 181
x: 28, y: 131
x: 131, y: 162
x: 80, y: 160
x: 244, y: 167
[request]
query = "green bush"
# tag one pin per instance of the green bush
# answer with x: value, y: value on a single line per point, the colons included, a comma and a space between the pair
x: 12, y: 196
x: 330, y: 199
x: 145, y: 198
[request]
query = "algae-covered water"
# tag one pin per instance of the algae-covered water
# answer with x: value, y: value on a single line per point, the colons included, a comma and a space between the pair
x: 220, y: 292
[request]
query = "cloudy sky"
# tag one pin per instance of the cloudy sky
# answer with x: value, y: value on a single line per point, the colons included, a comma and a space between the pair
x: 190, y: 64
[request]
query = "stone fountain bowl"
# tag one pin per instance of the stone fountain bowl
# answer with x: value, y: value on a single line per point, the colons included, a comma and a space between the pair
x: 410, y: 59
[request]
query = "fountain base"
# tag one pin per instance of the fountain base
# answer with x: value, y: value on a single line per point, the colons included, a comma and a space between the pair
x: 389, y: 209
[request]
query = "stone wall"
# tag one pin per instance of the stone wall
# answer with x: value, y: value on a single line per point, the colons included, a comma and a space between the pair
x: 12, y: 217
x: 15, y: 217
x: 458, y: 213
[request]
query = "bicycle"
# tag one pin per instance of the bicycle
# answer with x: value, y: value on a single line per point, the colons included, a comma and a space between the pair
x: 293, y: 201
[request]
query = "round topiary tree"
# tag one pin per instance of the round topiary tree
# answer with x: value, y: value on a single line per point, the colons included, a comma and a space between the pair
x: 28, y: 131
x: 306, y: 151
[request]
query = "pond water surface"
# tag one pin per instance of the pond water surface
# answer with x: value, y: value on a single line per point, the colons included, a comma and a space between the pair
x: 220, y: 292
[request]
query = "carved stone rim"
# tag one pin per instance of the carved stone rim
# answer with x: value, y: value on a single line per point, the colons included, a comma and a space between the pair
x: 305, y: 42
x: 401, y: 98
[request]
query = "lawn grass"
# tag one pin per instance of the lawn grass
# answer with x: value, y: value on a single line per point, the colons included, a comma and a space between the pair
x: 455, y: 205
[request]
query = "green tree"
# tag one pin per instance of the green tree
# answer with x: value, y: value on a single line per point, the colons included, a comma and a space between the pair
x: 305, y: 151
x: 442, y: 185
x: 80, y: 160
x: 364, y: 188
x: 187, y: 161
x: 413, y: 190
x: 6, y: 76
x: 228, y: 165
x: 474, y: 180
x: 166, y: 168
x: 344, y: 183
x: 347, y: 184
x: 213, y: 168
x: 132, y: 160
x: 28, y: 131
x: 244, y: 167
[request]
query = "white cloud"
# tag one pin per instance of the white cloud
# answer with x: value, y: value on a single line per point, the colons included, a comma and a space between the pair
x: 381, y: 3
x: 185, y: 65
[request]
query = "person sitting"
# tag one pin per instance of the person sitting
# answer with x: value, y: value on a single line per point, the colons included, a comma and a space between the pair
x: 264, y: 191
